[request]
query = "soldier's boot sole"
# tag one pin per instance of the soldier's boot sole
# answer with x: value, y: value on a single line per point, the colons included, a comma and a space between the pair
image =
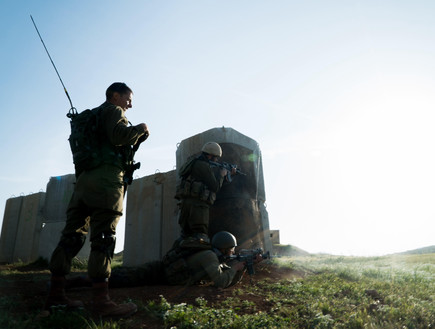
x: 110, y: 309
x: 67, y: 303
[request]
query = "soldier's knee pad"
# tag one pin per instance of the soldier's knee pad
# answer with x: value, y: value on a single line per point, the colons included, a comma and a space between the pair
x: 105, y: 243
x: 72, y: 243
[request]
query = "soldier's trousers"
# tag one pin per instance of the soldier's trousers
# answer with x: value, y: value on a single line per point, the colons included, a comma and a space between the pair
x: 193, y: 217
x: 96, y: 204
x: 147, y: 274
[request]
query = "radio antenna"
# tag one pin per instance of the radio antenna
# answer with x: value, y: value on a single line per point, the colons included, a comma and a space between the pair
x: 73, y: 109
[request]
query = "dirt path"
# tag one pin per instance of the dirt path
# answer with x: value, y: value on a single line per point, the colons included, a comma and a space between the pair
x: 28, y: 287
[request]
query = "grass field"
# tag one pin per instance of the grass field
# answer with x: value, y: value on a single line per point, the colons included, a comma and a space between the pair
x: 328, y: 292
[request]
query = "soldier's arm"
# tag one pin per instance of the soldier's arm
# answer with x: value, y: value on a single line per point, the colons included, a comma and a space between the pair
x: 201, y: 170
x: 117, y: 129
x: 220, y: 277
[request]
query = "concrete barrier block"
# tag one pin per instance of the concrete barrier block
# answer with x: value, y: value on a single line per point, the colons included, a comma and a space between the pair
x: 59, y: 191
x: 9, y: 230
x: 58, y: 195
x: 29, y: 228
x: 143, y: 221
x: 151, y: 218
x: 170, y: 228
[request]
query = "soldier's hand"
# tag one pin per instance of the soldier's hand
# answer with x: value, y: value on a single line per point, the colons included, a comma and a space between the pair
x: 147, y: 132
x: 223, y: 172
x: 143, y: 137
x: 258, y: 258
x: 239, y: 266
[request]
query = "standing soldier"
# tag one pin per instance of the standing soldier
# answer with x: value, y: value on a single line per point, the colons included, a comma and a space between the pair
x: 197, y: 191
x: 97, y: 203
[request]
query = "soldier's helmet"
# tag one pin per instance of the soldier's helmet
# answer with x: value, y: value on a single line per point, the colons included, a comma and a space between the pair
x: 223, y: 240
x: 212, y: 148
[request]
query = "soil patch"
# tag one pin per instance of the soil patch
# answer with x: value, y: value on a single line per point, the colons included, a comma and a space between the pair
x: 27, y: 286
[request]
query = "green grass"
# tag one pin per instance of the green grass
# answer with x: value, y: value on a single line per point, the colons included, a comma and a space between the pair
x: 341, y: 292
x: 376, y: 292
x: 336, y: 292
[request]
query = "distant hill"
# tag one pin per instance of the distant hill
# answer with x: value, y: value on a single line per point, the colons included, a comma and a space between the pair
x: 425, y: 250
x: 288, y: 250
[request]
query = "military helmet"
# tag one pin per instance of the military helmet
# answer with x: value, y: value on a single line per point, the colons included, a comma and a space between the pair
x: 212, y: 148
x: 223, y: 240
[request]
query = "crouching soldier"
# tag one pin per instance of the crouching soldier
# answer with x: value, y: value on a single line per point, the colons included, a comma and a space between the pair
x: 184, y: 265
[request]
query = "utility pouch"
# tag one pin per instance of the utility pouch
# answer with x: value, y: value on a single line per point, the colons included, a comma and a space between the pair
x: 212, y: 198
x: 196, y: 189
x: 183, y: 189
x: 186, y: 188
x: 194, y: 243
x: 208, y: 196
x: 204, y: 195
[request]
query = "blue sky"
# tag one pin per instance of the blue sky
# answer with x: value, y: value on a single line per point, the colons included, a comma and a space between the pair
x: 338, y: 94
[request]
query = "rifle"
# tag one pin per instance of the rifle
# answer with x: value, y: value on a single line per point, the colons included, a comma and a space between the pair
x: 229, y: 167
x: 132, y: 166
x: 128, y: 175
x: 248, y: 255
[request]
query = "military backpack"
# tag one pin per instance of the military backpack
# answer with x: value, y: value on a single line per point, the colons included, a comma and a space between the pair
x: 85, y: 140
x: 176, y: 270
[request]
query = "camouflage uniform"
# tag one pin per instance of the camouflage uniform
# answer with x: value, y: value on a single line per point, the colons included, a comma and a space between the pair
x: 97, y: 200
x: 194, y: 209
x: 202, y: 266
x: 205, y: 265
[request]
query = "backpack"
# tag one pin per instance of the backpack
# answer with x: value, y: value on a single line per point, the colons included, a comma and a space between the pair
x: 176, y: 270
x: 186, y: 168
x: 84, y: 140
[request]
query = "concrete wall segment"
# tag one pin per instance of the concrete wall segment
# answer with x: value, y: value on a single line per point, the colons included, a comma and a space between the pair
x: 59, y: 192
x: 29, y: 228
x: 8, y: 235
x: 170, y: 228
x: 151, y: 218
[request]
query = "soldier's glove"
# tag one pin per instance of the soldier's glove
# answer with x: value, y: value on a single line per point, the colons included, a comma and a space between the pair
x: 223, y: 172
x: 143, y: 138
x: 140, y: 140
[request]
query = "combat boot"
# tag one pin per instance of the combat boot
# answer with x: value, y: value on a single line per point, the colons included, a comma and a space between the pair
x: 103, y: 306
x: 78, y: 282
x: 56, y: 295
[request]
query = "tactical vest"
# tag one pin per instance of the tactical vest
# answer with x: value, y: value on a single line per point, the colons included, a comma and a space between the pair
x: 189, y: 187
